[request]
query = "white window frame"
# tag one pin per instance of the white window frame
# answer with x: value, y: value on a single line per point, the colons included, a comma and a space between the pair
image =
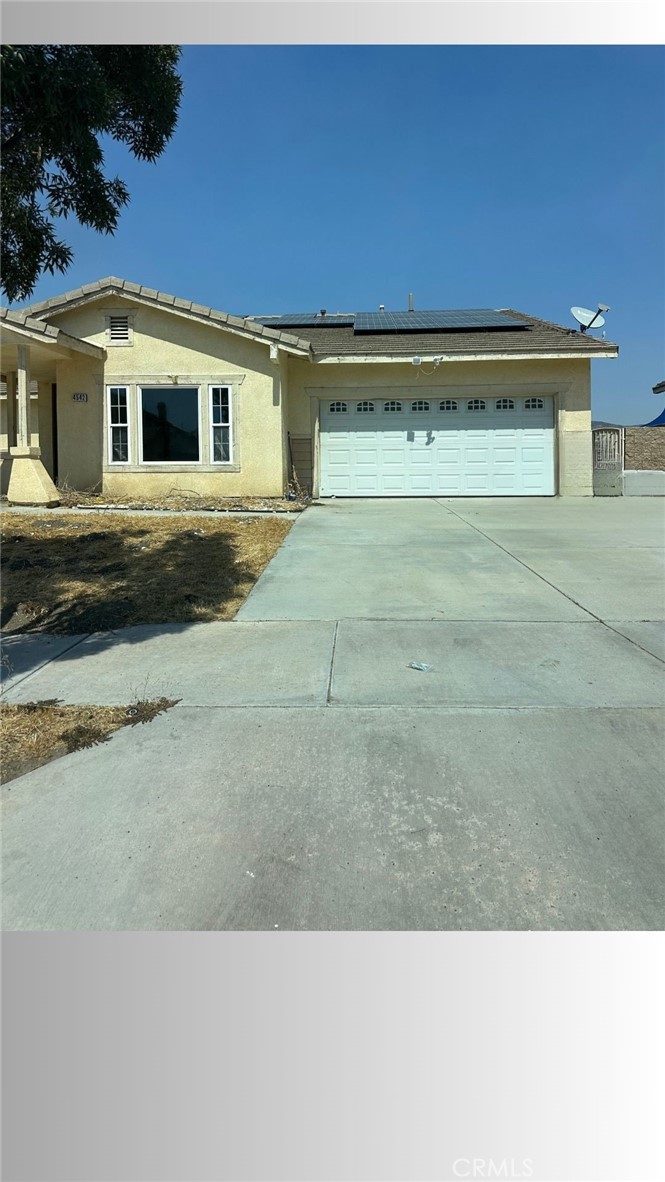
x: 421, y: 406
x: 449, y: 406
x: 476, y: 405
x: 365, y: 407
x: 110, y: 425
x: 504, y: 404
x: 534, y: 403
x: 211, y: 438
x: 339, y: 407
x: 140, y: 387
x: 112, y: 313
x: 392, y: 407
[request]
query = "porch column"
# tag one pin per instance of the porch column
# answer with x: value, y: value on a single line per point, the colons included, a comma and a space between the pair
x: 22, y: 397
x: 29, y: 482
x: 11, y: 409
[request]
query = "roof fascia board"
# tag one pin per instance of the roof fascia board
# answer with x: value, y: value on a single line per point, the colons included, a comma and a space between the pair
x: 172, y: 304
x: 388, y: 359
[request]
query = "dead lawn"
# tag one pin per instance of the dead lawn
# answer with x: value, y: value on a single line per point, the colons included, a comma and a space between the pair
x: 88, y: 572
x: 34, y: 733
x: 182, y: 500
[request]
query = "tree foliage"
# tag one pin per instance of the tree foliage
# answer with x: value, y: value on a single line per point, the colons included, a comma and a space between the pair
x: 57, y: 101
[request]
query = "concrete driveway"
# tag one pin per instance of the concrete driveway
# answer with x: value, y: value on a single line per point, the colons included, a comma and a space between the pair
x: 309, y: 779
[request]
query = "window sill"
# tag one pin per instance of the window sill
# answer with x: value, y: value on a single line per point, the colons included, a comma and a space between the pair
x: 136, y: 469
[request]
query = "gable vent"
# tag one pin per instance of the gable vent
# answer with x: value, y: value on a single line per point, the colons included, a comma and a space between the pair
x: 119, y: 328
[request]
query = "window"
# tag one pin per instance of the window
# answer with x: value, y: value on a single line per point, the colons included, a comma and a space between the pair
x: 419, y: 405
x: 504, y: 404
x: 220, y: 424
x: 119, y: 328
x: 363, y: 408
x: 448, y: 404
x: 170, y: 428
x: 392, y: 407
x: 533, y: 404
x: 476, y: 404
x: 338, y: 408
x: 118, y: 421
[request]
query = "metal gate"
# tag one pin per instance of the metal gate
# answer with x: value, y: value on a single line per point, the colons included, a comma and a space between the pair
x: 608, y: 453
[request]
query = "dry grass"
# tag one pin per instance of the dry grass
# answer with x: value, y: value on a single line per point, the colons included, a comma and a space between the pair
x: 180, y: 500
x: 37, y: 732
x: 88, y: 572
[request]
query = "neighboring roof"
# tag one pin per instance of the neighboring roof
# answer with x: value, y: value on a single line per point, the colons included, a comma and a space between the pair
x: 111, y: 285
x: 39, y: 331
x: 659, y: 421
x: 659, y: 389
x: 540, y: 338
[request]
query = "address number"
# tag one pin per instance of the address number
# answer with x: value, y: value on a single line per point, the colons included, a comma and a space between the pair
x: 80, y: 397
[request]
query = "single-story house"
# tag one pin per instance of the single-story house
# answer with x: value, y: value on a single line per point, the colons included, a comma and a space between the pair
x: 139, y: 393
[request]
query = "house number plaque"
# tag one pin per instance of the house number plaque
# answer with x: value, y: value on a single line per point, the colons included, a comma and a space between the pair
x: 80, y: 397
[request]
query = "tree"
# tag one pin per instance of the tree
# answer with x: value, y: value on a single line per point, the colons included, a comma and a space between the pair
x: 57, y: 100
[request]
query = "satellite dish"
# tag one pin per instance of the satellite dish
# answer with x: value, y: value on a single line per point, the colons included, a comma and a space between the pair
x: 586, y: 318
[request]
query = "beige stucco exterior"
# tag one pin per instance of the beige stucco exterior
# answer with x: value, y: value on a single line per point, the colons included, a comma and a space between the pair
x: 169, y: 349
x: 275, y: 401
x: 567, y: 381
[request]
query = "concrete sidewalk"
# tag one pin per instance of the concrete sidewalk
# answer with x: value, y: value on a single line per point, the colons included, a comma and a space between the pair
x: 349, y: 663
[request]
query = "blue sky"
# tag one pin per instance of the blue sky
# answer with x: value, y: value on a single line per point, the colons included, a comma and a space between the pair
x: 302, y: 177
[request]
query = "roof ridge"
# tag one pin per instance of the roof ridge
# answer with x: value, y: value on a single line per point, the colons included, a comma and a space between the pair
x: 165, y: 300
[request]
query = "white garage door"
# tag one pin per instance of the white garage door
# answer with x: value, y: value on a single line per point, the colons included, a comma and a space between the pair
x: 406, y: 447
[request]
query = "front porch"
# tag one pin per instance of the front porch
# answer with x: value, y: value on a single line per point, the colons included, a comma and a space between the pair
x: 31, y: 351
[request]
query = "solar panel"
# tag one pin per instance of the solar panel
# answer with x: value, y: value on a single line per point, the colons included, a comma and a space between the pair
x: 306, y: 320
x: 454, y: 320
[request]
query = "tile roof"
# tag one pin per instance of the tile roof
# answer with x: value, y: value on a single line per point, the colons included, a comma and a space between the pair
x: 112, y: 285
x: 51, y: 333
x: 542, y: 337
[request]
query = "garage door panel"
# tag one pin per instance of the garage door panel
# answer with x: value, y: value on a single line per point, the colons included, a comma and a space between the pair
x: 461, y: 453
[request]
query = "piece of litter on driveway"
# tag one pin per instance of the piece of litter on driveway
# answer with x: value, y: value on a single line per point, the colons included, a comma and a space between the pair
x: 420, y: 665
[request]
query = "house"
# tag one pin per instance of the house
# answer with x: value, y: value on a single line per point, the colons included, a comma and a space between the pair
x: 141, y: 393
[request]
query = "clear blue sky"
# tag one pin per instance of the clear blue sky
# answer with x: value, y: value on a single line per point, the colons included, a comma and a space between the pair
x: 347, y: 176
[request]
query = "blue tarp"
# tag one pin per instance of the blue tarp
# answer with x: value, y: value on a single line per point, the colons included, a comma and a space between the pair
x: 659, y: 422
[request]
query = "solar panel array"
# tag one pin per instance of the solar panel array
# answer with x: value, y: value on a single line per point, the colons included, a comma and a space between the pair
x: 455, y: 320
x: 452, y: 320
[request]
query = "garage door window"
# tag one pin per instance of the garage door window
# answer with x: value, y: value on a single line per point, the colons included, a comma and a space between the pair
x: 534, y: 404
x: 475, y: 404
x: 419, y: 406
x: 448, y: 404
x: 392, y: 407
x: 504, y: 404
x: 338, y: 408
x: 364, y: 408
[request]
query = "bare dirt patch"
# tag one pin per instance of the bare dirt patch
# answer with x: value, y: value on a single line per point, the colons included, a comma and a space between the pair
x: 89, y: 572
x: 34, y: 733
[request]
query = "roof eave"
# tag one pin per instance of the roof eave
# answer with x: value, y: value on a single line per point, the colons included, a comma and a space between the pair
x: 406, y: 358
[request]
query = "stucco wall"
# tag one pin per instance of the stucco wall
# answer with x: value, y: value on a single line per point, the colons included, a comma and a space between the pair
x: 169, y: 349
x: 80, y: 423
x: 645, y: 448
x: 567, y: 380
